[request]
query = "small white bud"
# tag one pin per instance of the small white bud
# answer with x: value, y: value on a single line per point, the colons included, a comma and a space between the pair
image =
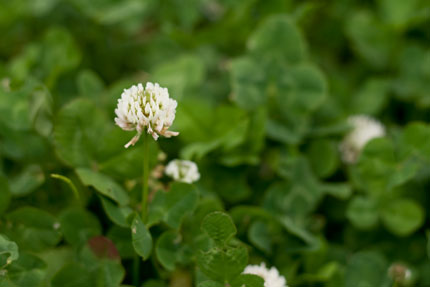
x: 271, y: 276
x: 183, y: 170
x: 364, y: 129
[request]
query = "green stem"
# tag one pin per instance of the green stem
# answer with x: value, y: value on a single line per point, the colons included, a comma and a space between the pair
x: 146, y: 139
x: 68, y: 182
x: 145, y: 176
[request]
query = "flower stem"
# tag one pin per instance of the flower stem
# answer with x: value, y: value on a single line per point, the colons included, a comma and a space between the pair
x: 68, y: 182
x: 145, y: 176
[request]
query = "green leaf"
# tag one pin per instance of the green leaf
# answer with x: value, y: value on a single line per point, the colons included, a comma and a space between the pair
x: 327, y: 272
x: 101, y: 257
x: 371, y: 98
x: 300, y: 89
x: 231, y: 189
x: 294, y: 228
x: 380, y: 149
x: 285, y: 132
x: 89, y: 84
x: 205, y: 206
x: 125, y: 163
x: 397, y: 12
x: 20, y: 66
x: 122, y: 14
x: 376, y: 166
x: 223, y: 264
x: 41, y: 108
x: 323, y: 157
x: 78, y: 225
x: 118, y: 214
x: 259, y: 235
x: 362, y: 212
x: 121, y: 237
x: 28, y: 270
x: 78, y: 132
x: 5, y: 195
x: 278, y: 39
x: 167, y: 249
x: 404, y: 172
x: 414, y: 141
x: 56, y: 258
x: 339, y: 190
x: 10, y: 248
x: 299, y: 238
x: 248, y: 280
x: 72, y: 275
x: 180, y: 75
x: 249, y: 151
x: 34, y: 229
x: 249, y: 83
x: 172, y: 206
x: 194, y: 118
x: 28, y: 107
x: 14, y: 107
x: 224, y: 135
x: 27, y: 181
x: 219, y: 226
x: 23, y: 146
x: 402, y: 216
x: 413, y: 82
x: 109, y: 273
x: 141, y: 238
x: 103, y: 184
x: 371, y: 39
x: 181, y: 199
x: 60, y: 54
x: 296, y: 200
x: 365, y: 269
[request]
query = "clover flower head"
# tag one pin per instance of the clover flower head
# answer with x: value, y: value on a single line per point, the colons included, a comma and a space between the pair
x: 364, y: 129
x: 271, y: 276
x: 148, y: 108
x: 400, y: 273
x: 183, y: 170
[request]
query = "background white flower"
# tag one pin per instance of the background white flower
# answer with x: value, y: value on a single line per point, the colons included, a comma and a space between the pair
x: 183, y: 170
x: 271, y: 276
x: 147, y: 108
x: 364, y: 129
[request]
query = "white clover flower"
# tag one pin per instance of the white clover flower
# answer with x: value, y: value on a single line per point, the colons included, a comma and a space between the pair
x: 271, y: 276
x: 147, y: 108
x: 183, y: 170
x: 365, y: 128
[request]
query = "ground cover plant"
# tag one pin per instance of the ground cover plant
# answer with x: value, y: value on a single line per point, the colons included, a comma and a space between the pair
x: 214, y: 143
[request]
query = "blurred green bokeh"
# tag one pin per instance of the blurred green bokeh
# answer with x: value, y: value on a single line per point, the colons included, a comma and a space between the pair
x: 264, y: 88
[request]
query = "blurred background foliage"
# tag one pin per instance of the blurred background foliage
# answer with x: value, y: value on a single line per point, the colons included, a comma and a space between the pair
x: 264, y: 89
